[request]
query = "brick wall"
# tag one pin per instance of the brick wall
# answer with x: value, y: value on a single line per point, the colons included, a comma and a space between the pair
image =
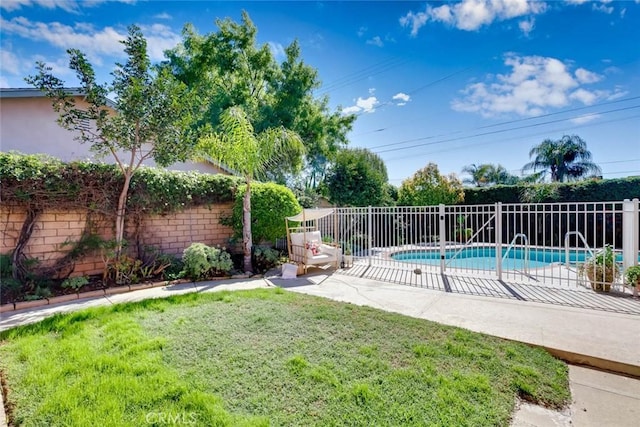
x: 170, y: 233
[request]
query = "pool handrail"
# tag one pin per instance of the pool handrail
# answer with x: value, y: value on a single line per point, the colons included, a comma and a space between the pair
x: 566, y: 245
x: 526, y: 249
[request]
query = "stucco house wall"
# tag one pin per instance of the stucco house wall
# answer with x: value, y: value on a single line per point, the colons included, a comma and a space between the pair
x: 28, y: 124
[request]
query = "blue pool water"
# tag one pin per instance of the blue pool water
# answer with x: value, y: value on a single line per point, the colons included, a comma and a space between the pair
x: 484, y: 258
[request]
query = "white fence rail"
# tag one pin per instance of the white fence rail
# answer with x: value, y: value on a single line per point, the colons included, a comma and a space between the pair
x: 543, y: 243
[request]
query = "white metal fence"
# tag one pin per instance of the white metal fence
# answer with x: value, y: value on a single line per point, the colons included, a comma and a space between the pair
x: 542, y: 243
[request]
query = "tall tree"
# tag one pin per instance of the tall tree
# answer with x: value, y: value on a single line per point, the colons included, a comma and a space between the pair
x: 150, y: 118
x: 428, y: 187
x: 357, y: 178
x: 228, y: 68
x: 567, y: 159
x: 249, y: 153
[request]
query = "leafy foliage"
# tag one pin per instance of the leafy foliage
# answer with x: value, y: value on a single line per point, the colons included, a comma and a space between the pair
x: 488, y: 174
x: 228, y: 68
x: 38, y: 181
x: 202, y: 261
x: 567, y: 159
x: 270, y: 204
x: 582, y: 191
x: 150, y: 118
x: 427, y: 187
x: 265, y: 258
x: 632, y: 276
x: 357, y: 178
x: 248, y: 153
x: 601, y: 269
x: 75, y: 283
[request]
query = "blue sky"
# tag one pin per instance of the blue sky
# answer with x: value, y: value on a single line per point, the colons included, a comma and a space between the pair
x: 454, y: 83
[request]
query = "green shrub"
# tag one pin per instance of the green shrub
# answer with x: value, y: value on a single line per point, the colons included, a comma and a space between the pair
x: 590, y: 190
x: 202, y: 261
x: 75, y: 283
x: 270, y: 204
x: 265, y: 258
x: 40, y: 181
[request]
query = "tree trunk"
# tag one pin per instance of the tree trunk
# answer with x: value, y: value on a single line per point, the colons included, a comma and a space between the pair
x: 120, y: 213
x: 246, y: 229
x: 17, y: 270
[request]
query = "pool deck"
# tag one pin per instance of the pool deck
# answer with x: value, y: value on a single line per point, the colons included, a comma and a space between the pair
x: 554, y: 285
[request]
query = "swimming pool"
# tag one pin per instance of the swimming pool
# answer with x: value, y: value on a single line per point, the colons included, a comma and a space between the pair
x: 484, y: 257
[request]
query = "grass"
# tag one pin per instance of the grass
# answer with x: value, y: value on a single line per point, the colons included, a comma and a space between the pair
x: 266, y: 357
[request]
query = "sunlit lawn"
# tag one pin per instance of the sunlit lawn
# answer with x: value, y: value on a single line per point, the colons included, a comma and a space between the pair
x: 266, y: 357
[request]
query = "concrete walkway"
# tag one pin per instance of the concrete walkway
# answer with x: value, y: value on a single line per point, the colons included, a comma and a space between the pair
x: 604, y: 340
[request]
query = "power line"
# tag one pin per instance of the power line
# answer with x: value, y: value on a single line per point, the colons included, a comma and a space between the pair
x: 511, y: 121
x: 482, y: 134
x: 364, y: 73
x: 513, y: 138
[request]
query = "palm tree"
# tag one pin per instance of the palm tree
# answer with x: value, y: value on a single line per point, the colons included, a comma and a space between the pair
x: 249, y: 154
x: 499, y: 175
x: 478, y: 174
x: 567, y: 158
x: 488, y: 174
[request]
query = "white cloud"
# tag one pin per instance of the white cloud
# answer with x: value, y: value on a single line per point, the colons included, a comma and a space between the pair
x: 527, y: 25
x: 277, y: 50
x: 71, y: 6
x: 442, y: 14
x: 159, y: 37
x: 602, y: 8
x: 94, y: 43
x: 533, y: 85
x: 585, y: 76
x: 585, y: 96
x: 163, y: 15
x: 470, y: 15
x: 363, y: 105
x: 415, y: 21
x: 372, y: 90
x: 402, y: 99
x: 361, y: 31
x: 14, y: 68
x: 597, y: 5
x: 376, y: 41
x: 10, y: 62
x: 4, y: 82
x: 585, y: 118
x: 351, y: 110
x: 618, y: 92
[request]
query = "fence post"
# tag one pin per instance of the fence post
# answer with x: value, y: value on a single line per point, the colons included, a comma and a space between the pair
x: 442, y: 238
x: 630, y: 233
x: 369, y: 228
x: 498, y: 237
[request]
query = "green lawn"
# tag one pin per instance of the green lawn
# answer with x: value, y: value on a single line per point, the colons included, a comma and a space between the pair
x: 266, y: 357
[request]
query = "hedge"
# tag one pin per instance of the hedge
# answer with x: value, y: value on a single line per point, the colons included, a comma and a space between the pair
x: 582, y: 191
x: 38, y: 182
x: 270, y: 204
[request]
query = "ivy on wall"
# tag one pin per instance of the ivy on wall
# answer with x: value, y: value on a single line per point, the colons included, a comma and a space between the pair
x: 38, y: 181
